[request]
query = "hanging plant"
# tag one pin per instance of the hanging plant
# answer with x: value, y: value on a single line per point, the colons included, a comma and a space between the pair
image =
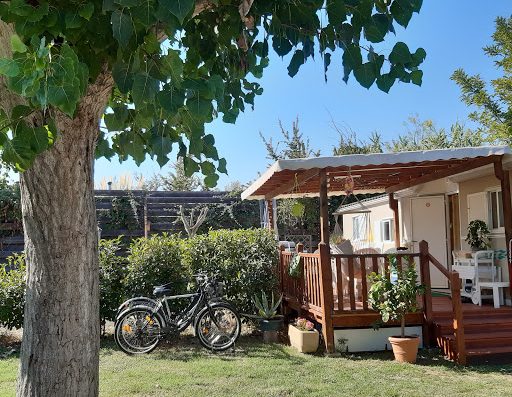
x: 298, y: 209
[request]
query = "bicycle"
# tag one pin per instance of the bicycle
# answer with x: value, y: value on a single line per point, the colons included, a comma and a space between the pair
x: 143, y: 322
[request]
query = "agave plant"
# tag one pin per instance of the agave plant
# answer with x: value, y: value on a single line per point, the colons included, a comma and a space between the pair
x: 266, y: 309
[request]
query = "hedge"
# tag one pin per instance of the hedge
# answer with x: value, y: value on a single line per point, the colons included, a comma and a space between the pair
x: 153, y: 261
x: 12, y: 291
x: 112, y: 274
x: 245, y: 260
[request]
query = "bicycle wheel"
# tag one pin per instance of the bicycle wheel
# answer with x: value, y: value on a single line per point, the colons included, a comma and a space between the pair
x: 138, y: 330
x: 222, y: 333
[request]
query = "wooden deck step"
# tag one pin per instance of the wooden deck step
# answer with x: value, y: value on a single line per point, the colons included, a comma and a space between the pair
x: 485, y: 339
x: 492, y: 350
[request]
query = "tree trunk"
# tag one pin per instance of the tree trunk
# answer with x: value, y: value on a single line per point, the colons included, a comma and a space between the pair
x: 61, y: 332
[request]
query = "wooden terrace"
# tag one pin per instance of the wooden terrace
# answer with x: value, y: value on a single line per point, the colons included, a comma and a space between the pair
x: 333, y: 288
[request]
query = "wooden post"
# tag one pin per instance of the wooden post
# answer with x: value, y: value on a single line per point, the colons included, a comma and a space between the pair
x: 324, y: 207
x: 458, y: 326
x: 428, y: 334
x: 147, y: 223
x: 270, y: 215
x: 299, y: 247
x: 326, y: 296
x: 504, y: 178
x: 393, y: 204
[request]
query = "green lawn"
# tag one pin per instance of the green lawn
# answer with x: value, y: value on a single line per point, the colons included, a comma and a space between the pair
x: 255, y: 369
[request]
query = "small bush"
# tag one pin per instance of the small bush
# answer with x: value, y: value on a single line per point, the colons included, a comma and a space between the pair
x: 246, y: 261
x: 12, y: 291
x: 153, y: 261
x: 112, y: 273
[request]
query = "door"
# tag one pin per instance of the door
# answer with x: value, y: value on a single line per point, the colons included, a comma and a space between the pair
x: 454, y: 224
x: 428, y: 217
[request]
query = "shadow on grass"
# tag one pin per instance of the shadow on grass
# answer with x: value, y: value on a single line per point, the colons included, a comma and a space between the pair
x: 187, y: 348
x: 434, y: 358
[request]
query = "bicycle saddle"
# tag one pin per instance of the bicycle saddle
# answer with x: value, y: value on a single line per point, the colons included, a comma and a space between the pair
x: 162, y: 290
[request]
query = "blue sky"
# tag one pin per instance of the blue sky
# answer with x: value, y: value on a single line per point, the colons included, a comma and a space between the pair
x: 453, y: 34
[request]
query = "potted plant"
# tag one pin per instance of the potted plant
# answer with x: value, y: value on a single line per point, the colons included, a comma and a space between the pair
x: 393, y: 298
x: 303, y: 336
x: 269, y: 321
x: 478, y: 235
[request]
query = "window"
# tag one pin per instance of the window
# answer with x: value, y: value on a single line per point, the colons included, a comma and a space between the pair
x: 386, y: 230
x: 495, y: 210
x: 359, y: 227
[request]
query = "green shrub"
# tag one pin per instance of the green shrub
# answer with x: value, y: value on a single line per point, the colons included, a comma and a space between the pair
x: 246, y: 261
x: 12, y: 291
x: 112, y: 273
x: 153, y: 261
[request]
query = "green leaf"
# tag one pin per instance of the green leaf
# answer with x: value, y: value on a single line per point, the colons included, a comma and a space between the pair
x: 122, y: 77
x: 73, y: 20
x: 122, y: 27
x: 144, y: 88
x: 179, y: 8
x: 17, y: 45
x: 417, y: 77
x: 385, y: 82
x: 402, y: 11
x: 352, y: 59
x: 295, y: 63
x: 327, y: 62
x: 336, y: 12
x: 211, y: 180
x: 281, y: 45
x: 161, y: 147
x: 365, y: 74
x: 86, y: 11
x: 376, y: 30
x: 419, y: 56
x: 172, y: 65
x: 400, y: 54
x: 9, y: 67
x: 190, y: 166
x: 200, y: 108
x: 170, y: 99
x: 207, y: 168
x: 222, y: 166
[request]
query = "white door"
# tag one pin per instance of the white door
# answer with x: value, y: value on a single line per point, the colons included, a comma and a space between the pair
x: 429, y: 223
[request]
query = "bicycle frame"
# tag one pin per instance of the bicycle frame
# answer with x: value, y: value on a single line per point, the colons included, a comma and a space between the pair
x: 185, y: 317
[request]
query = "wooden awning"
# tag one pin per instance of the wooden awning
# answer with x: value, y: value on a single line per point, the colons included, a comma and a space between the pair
x: 382, y: 172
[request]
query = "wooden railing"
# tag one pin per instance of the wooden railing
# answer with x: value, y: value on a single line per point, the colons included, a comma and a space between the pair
x: 338, y: 285
x: 305, y: 291
x: 426, y: 259
x: 351, y: 277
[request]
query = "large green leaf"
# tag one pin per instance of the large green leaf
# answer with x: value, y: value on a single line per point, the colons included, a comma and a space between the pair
x: 295, y: 63
x: 179, y: 8
x: 144, y: 88
x: 170, y: 99
x: 122, y: 27
x: 402, y: 11
x: 8, y: 67
x: 400, y: 54
x: 122, y: 77
x: 365, y: 74
x: 17, y: 45
x: 385, y: 82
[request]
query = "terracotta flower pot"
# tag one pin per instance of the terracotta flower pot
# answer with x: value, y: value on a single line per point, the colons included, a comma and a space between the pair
x: 303, y: 341
x: 405, y: 349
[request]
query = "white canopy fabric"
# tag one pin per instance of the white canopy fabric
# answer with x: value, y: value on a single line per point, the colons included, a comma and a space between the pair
x: 422, y: 162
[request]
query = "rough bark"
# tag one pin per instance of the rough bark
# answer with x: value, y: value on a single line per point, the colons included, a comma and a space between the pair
x: 60, y: 348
